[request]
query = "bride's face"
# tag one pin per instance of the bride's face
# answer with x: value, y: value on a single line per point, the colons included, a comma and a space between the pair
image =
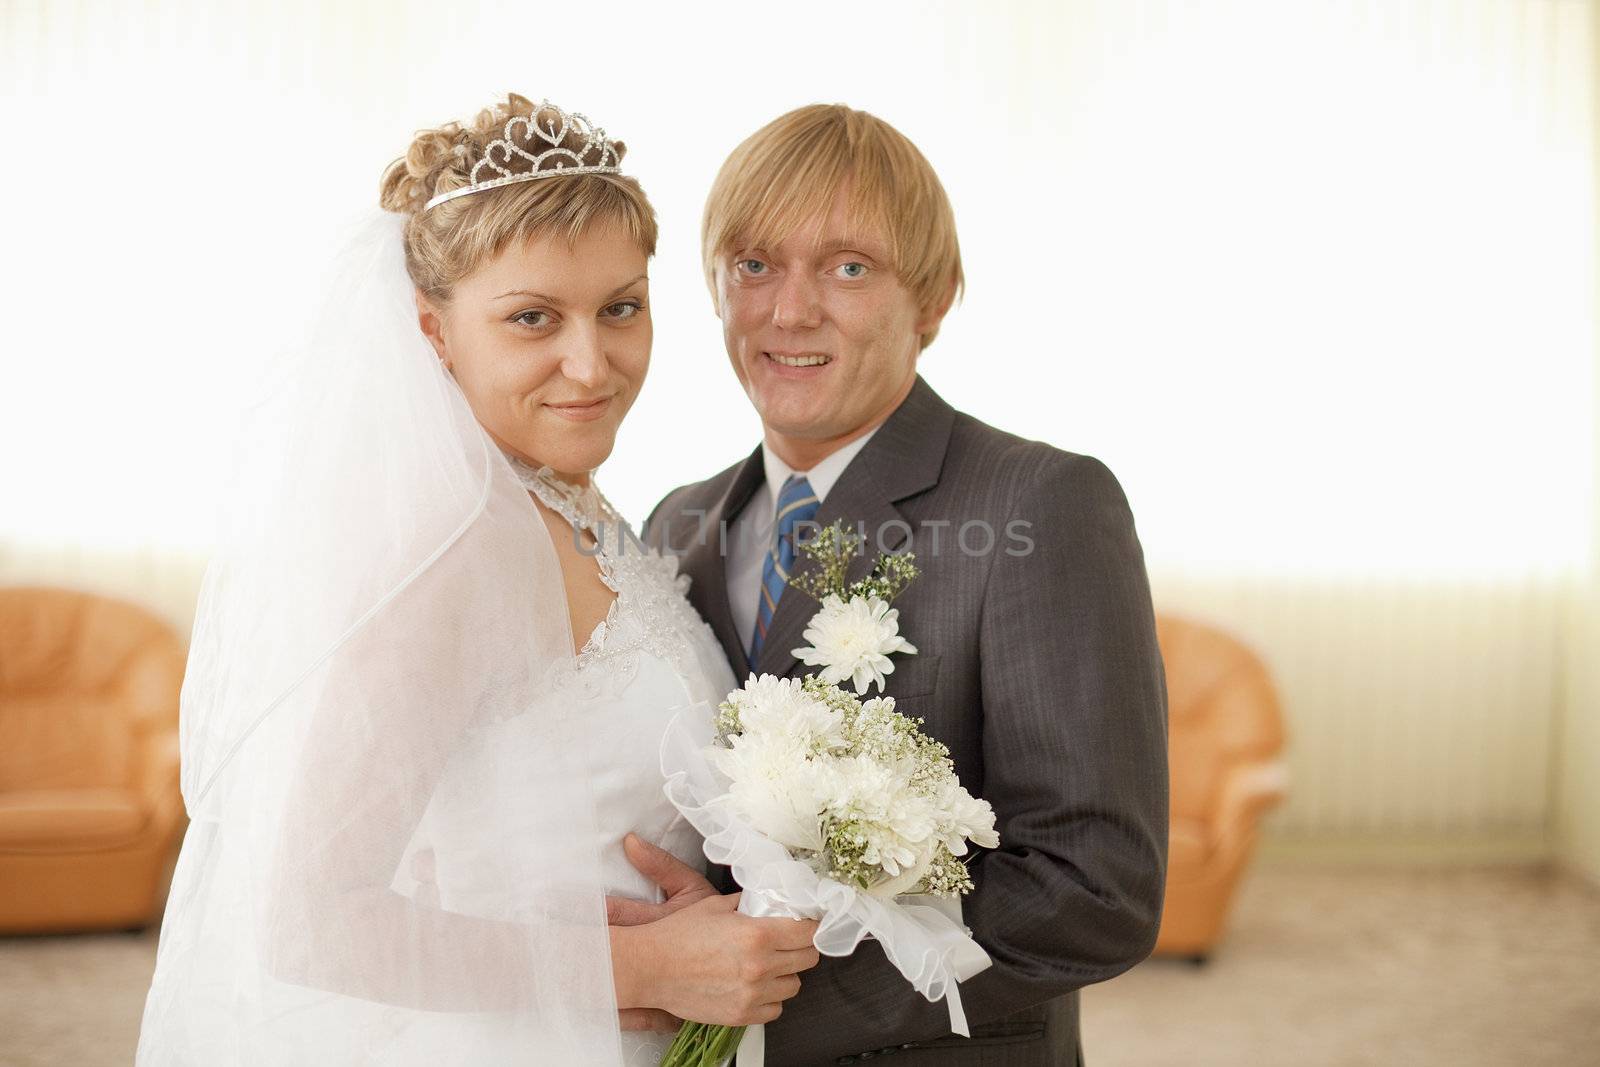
x: 550, y: 342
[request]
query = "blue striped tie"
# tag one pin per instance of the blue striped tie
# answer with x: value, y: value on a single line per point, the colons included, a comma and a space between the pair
x: 796, y: 504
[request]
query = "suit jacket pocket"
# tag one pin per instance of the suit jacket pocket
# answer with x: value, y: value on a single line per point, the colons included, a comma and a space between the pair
x: 913, y: 677
x: 1017, y: 1033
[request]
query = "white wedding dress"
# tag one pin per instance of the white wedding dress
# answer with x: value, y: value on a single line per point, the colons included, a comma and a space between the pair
x: 650, y: 657
x: 476, y: 851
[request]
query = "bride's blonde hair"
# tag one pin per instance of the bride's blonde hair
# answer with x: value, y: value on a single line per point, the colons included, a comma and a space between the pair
x: 451, y: 240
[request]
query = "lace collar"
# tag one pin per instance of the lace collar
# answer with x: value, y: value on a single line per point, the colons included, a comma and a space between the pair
x: 585, y: 507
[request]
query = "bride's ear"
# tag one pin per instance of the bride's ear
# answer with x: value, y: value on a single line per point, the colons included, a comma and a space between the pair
x: 432, y: 328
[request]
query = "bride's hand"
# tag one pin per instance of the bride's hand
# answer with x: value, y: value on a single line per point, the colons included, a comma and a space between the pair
x: 649, y: 1019
x: 709, y: 963
x: 683, y: 884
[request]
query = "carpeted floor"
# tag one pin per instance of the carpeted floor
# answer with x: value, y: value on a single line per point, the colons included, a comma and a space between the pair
x: 1339, y: 968
x: 1323, y: 966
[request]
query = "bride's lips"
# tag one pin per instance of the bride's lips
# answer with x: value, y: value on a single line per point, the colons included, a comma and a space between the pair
x: 585, y: 411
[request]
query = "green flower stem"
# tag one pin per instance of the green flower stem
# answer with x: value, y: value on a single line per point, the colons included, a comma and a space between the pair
x: 702, y: 1045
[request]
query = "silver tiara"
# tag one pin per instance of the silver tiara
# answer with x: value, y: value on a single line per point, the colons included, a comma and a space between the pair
x: 536, y: 151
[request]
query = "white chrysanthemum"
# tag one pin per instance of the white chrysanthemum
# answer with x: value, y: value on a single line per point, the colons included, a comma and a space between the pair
x: 778, y: 787
x: 963, y: 817
x: 897, y: 823
x: 853, y: 639
x: 770, y: 705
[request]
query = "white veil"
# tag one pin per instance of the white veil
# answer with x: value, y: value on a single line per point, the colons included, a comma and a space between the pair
x: 392, y: 856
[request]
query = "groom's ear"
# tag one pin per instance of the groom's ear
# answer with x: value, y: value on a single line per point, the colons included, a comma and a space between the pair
x: 432, y: 328
x: 934, y: 314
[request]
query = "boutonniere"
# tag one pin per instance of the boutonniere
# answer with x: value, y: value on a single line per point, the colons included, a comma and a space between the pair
x: 856, y: 631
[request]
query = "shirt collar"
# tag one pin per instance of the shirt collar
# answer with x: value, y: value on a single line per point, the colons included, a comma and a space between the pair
x: 822, y: 475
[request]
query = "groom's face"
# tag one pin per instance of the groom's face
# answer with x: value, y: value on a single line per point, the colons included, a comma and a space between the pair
x: 821, y: 332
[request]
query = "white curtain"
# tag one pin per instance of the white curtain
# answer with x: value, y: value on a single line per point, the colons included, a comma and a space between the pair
x: 1316, y: 279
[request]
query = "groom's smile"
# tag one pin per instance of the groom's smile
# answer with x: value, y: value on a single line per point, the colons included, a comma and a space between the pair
x: 801, y: 361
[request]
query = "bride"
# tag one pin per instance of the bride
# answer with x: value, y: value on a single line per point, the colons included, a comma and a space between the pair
x: 431, y: 666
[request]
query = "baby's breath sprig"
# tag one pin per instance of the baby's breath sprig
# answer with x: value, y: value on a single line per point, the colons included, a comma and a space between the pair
x: 832, y: 696
x: 830, y: 552
x: 891, y: 573
x: 948, y: 876
x: 727, y: 722
x: 844, y: 853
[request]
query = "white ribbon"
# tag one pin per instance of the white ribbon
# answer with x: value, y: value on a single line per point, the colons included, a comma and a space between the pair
x: 752, y: 1047
x: 929, y: 947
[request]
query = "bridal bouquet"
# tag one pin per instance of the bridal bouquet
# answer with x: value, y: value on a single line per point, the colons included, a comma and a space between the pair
x: 833, y: 807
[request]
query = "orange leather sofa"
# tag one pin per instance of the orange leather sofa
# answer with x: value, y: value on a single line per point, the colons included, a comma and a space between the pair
x: 1225, y: 736
x: 90, y: 812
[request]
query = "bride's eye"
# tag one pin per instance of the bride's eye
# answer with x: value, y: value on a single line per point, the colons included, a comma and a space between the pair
x: 624, y: 310
x: 851, y: 270
x: 544, y: 319
x: 751, y: 266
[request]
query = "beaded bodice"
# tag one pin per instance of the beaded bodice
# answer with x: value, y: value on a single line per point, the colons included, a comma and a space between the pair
x: 650, y: 612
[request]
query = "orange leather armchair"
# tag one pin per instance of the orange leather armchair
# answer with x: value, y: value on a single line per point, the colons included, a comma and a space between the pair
x: 90, y: 811
x: 1225, y: 734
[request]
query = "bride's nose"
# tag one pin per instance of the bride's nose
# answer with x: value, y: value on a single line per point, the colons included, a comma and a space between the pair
x: 584, y: 359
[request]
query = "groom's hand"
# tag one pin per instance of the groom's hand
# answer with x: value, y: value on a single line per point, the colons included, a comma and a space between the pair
x: 683, y: 885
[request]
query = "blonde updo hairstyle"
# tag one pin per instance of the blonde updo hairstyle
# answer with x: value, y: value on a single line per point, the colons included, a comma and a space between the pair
x: 453, y: 239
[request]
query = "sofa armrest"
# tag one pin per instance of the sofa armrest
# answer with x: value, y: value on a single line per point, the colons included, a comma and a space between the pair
x: 156, y: 776
x: 150, y: 686
x: 1248, y: 791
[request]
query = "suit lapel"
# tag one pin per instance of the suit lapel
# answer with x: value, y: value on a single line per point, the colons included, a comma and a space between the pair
x: 903, y: 458
x: 706, y: 559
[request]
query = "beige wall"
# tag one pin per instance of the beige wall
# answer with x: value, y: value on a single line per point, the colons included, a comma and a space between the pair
x: 1577, y: 785
x: 1577, y: 782
x: 166, y: 582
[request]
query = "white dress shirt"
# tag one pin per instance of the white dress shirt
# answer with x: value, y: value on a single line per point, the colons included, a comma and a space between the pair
x: 750, y: 535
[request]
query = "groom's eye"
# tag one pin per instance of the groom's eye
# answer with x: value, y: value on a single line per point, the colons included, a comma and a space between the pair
x: 851, y: 270
x: 751, y: 266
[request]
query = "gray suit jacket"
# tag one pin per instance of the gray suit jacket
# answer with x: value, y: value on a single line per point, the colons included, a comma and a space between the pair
x: 1038, y: 666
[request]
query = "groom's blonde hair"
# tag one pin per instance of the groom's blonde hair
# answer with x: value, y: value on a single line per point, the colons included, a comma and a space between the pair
x: 788, y: 172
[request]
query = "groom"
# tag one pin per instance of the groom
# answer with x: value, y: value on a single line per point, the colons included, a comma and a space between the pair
x: 831, y: 253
